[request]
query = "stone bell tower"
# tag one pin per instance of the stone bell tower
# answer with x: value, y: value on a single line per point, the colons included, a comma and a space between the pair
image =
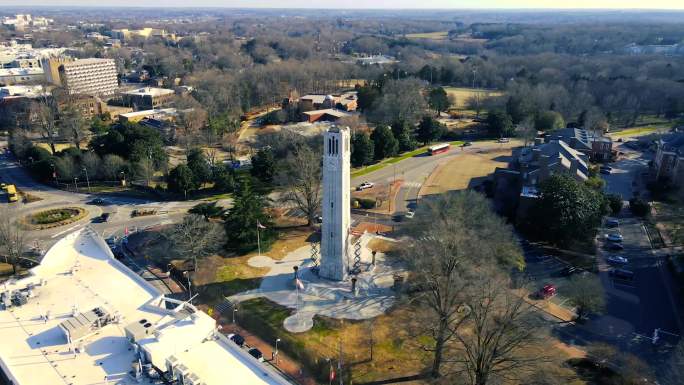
x: 336, y: 204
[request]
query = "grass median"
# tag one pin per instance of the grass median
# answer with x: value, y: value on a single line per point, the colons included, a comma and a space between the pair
x: 389, y: 161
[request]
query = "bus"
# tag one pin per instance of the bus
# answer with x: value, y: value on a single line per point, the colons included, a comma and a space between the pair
x: 439, y: 148
x: 11, y: 193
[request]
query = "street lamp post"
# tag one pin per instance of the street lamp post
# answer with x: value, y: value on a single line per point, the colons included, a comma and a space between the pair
x: 54, y: 174
x: 187, y: 275
x: 123, y: 179
x: 276, y: 350
x: 87, y: 179
x: 234, y: 311
x: 76, y: 184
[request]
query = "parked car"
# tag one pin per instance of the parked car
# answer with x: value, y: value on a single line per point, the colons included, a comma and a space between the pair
x: 364, y: 186
x: 617, y: 260
x: 410, y: 214
x: 547, y: 291
x: 238, y: 339
x: 611, y: 222
x: 614, y: 246
x: 568, y: 271
x: 614, y: 237
x: 256, y: 353
x: 622, y: 273
x: 604, y: 171
x: 319, y: 219
x: 398, y: 218
x: 604, y: 167
x: 98, y: 202
x: 467, y: 144
x: 503, y: 140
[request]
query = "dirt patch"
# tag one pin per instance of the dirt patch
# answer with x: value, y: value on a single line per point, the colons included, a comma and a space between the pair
x: 381, y: 245
x: 464, y: 170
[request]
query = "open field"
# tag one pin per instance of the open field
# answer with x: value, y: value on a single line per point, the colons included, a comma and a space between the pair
x: 462, y: 95
x: 442, y: 35
x: 637, y: 131
x: 464, y: 170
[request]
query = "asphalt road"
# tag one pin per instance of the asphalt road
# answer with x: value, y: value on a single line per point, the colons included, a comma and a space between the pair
x: 649, y: 301
x: 119, y: 207
x: 415, y: 170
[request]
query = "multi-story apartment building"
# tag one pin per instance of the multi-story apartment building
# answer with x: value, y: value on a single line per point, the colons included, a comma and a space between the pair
x: 668, y: 162
x: 88, y: 76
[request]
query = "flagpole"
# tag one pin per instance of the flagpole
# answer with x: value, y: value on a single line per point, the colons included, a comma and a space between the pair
x: 258, y: 240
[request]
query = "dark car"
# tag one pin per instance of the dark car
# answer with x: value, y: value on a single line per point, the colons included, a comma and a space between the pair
x: 605, y: 171
x: 398, y: 218
x: 614, y: 246
x: 467, y: 144
x: 622, y: 273
x: 238, y: 339
x: 256, y: 353
x: 98, y: 202
x: 612, y: 222
x: 568, y: 271
x: 104, y: 217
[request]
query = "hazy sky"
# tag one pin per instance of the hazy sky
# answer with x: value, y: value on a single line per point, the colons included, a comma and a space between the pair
x: 617, y: 4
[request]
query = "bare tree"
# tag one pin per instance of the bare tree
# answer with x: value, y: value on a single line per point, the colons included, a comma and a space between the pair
x: 303, y: 180
x: 45, y: 111
x: 586, y: 293
x: 195, y: 237
x: 502, y: 333
x: 73, y: 125
x: 13, y: 240
x: 453, y: 236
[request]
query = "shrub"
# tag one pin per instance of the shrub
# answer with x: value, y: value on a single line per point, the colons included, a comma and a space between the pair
x: 639, y: 207
x: 367, y: 203
x: 615, y: 203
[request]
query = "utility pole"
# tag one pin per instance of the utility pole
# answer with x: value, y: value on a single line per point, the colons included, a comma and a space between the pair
x: 87, y: 179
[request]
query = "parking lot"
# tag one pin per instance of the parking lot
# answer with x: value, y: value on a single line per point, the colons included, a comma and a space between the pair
x: 543, y: 269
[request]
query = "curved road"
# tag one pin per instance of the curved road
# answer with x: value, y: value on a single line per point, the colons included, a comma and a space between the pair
x: 119, y: 207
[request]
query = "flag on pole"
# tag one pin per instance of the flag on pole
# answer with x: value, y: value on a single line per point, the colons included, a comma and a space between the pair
x: 300, y: 284
x: 126, y: 230
x: 259, y: 225
x: 332, y: 374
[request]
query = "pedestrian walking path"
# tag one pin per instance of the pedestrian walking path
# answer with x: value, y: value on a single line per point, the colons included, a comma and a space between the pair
x: 372, y: 295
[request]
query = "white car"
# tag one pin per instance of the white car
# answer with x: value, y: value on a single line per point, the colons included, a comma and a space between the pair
x: 614, y: 237
x: 618, y: 260
x: 364, y: 186
x: 410, y: 214
x: 504, y: 140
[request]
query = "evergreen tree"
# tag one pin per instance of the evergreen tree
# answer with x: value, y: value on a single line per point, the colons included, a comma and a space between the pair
x: 223, y: 178
x: 263, y: 165
x: 438, y: 100
x: 429, y: 130
x: 241, y: 224
x: 500, y: 123
x: 385, y: 144
x: 403, y: 133
x: 198, y: 164
x: 362, y: 150
x: 181, y: 180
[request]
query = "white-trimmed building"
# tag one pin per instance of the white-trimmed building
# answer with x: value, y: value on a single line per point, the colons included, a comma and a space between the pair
x: 81, y: 317
x: 93, y: 76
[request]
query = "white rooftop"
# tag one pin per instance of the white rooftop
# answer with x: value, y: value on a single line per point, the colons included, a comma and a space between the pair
x: 151, y: 91
x: 78, y: 274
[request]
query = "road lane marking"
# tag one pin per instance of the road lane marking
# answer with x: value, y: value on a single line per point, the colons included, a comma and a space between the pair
x: 67, y: 230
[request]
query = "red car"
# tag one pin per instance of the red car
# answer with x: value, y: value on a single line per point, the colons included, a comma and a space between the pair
x: 547, y: 291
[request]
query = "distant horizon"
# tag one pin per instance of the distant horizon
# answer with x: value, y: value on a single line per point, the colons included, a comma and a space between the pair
x: 361, y: 5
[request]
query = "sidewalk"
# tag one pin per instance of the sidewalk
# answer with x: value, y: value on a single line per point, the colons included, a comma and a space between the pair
x: 285, y: 364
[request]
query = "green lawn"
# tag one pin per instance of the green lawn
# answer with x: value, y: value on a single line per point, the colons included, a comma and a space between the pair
x: 634, y: 131
x: 386, y: 162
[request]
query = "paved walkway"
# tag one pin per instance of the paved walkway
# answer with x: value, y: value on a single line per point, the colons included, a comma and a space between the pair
x: 285, y: 364
x: 373, y: 295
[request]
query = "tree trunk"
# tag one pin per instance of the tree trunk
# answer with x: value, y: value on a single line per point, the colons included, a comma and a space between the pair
x: 439, y: 348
